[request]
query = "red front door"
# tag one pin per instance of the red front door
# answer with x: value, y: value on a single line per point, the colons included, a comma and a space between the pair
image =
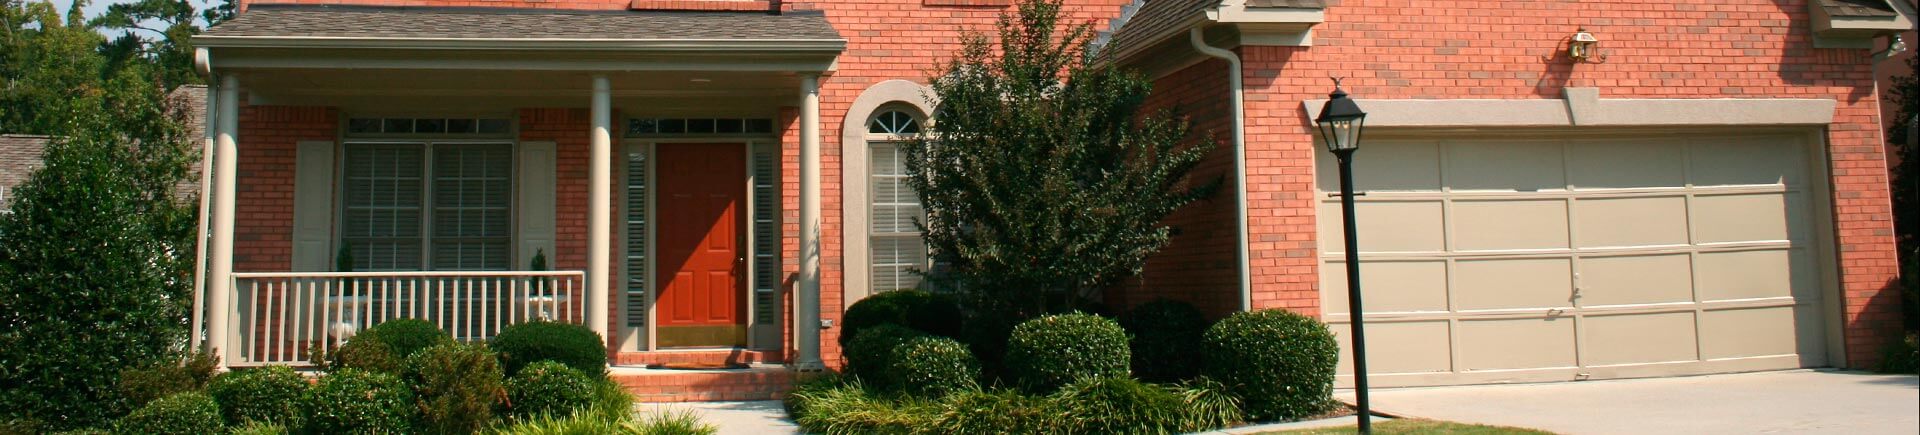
x: 700, y: 202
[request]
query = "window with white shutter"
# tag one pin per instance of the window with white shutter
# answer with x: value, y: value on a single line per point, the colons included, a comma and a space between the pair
x: 396, y: 220
x: 894, y: 241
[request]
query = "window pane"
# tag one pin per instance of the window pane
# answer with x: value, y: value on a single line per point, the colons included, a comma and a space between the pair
x: 363, y: 125
x: 383, y: 205
x: 895, y: 260
x: 494, y: 126
x: 399, y: 125
x: 897, y: 249
x: 760, y: 125
x: 472, y: 189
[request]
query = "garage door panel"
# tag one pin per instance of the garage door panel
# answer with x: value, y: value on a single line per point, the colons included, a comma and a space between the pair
x: 1387, y: 166
x: 1593, y: 165
x: 1745, y: 274
x: 1740, y: 218
x: 1512, y: 283
x: 1391, y: 286
x: 1738, y: 162
x: 1516, y: 344
x: 1636, y: 279
x: 1749, y: 332
x: 1638, y: 338
x: 1627, y: 222
x: 1509, y: 224
x: 1398, y: 347
x: 1386, y: 226
x: 1506, y: 166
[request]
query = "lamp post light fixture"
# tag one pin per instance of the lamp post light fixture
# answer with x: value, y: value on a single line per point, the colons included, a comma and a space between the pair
x: 1581, y: 47
x: 1340, y: 122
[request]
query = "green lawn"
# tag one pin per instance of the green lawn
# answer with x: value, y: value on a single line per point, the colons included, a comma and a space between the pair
x: 1410, y: 426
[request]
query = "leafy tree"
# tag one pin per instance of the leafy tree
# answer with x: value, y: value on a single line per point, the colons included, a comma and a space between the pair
x: 95, y: 274
x: 1905, y: 94
x: 156, y: 30
x: 44, y: 61
x: 1043, y: 180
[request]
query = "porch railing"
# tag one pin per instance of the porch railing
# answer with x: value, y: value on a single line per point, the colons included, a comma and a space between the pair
x: 283, y: 316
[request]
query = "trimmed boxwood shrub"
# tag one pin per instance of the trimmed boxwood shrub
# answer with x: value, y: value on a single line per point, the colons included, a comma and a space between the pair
x: 1166, y: 337
x: 931, y: 313
x: 268, y: 395
x: 352, y: 401
x: 457, y: 385
x: 184, y: 413
x: 549, y: 388
x: 406, y: 337
x: 1050, y: 351
x: 1279, y: 363
x: 166, y: 378
x: 1120, y: 405
x: 869, y: 354
x: 933, y: 367
x: 365, y: 353
x: 528, y: 343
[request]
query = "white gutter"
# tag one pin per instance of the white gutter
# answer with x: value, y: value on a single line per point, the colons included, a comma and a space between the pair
x: 706, y: 45
x: 1239, y: 159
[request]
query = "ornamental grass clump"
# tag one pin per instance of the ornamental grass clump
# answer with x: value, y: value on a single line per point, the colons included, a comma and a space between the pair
x: 1051, y: 351
x: 1120, y: 405
x: 1280, y: 364
x: 269, y: 395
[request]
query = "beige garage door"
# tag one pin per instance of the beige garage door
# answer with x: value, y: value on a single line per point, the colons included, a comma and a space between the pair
x: 1512, y: 260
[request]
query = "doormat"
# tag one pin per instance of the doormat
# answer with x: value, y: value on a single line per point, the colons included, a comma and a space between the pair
x: 697, y: 366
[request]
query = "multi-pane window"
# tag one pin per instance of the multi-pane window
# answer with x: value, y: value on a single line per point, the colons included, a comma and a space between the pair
x: 441, y: 206
x: 894, y: 238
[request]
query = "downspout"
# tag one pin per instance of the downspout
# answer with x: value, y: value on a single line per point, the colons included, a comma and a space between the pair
x: 1239, y: 159
x: 202, y: 64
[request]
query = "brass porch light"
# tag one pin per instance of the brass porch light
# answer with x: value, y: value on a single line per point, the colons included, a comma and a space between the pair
x: 1583, y: 47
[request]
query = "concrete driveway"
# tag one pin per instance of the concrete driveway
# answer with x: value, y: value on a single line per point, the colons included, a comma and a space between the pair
x: 1798, y: 401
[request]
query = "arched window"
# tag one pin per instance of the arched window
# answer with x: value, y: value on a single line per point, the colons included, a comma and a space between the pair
x: 894, y: 122
x: 895, y: 245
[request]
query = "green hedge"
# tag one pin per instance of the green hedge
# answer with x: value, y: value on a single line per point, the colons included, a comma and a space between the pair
x: 1280, y: 364
x: 457, y: 386
x: 931, y: 313
x: 1120, y: 405
x: 932, y: 367
x: 998, y: 411
x: 405, y: 337
x: 870, y: 354
x: 1050, y: 351
x: 352, y: 401
x: 549, y: 388
x: 268, y: 395
x: 1166, y: 339
x: 365, y: 353
x: 184, y: 413
x: 166, y: 378
x: 528, y: 343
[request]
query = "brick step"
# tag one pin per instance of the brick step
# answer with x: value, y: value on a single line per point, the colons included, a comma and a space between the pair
x: 713, y: 357
x: 754, y: 383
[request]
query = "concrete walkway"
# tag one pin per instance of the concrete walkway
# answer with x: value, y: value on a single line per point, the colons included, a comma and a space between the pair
x: 1798, y: 401
x: 743, y: 418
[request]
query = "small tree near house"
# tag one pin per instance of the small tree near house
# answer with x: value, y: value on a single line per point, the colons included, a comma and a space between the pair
x: 1043, y: 181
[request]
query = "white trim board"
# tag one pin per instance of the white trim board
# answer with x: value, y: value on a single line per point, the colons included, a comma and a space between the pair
x: 1584, y: 107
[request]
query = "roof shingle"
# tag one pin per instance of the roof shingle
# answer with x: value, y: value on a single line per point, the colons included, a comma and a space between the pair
x: 1858, y: 8
x: 335, y: 21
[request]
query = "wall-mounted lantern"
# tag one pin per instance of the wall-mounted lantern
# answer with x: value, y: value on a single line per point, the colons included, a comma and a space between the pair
x: 1583, y: 47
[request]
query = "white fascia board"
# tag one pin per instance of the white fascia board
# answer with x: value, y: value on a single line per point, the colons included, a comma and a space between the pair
x: 1858, y: 32
x: 1592, y: 111
x: 659, y: 45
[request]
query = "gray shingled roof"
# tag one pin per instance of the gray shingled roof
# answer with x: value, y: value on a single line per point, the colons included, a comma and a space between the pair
x: 1154, y: 18
x: 1858, y: 8
x: 495, y: 23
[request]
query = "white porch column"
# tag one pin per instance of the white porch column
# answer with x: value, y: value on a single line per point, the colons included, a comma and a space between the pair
x: 599, y: 205
x: 807, y: 307
x: 226, y: 155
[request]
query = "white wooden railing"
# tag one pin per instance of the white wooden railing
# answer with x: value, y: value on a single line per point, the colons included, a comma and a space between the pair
x: 282, y: 315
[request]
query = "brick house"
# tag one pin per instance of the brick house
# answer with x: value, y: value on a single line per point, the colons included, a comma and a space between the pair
x: 714, y: 181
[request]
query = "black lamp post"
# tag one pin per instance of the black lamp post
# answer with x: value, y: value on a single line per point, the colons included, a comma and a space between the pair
x: 1340, y: 123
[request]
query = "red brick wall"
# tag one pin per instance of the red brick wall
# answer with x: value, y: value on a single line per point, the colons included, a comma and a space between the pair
x: 1508, y: 50
x: 263, y: 203
x: 1198, y: 265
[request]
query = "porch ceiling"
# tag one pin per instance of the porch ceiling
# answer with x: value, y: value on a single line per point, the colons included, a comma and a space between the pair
x: 401, y: 89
